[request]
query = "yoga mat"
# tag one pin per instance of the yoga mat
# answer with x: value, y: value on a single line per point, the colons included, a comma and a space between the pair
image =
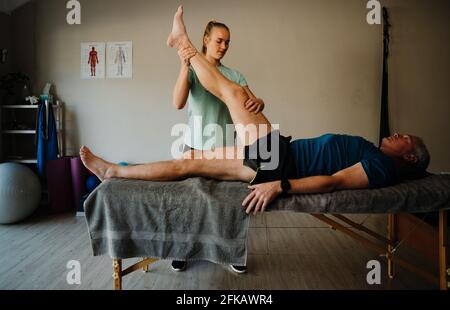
x: 79, y: 175
x: 59, y: 184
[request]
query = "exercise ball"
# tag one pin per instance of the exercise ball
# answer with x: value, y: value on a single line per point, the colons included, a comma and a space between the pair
x: 20, y: 192
x: 122, y: 163
x: 92, y: 182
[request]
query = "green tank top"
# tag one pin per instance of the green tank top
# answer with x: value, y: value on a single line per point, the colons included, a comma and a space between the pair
x: 208, y: 115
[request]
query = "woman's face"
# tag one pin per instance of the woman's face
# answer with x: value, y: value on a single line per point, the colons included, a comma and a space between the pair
x: 217, y: 43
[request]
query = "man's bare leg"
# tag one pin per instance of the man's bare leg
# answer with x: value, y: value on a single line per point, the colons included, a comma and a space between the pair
x: 172, y: 170
x: 232, y: 94
x: 229, y: 152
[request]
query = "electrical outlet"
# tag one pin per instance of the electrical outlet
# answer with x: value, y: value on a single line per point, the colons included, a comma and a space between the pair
x: 3, y: 55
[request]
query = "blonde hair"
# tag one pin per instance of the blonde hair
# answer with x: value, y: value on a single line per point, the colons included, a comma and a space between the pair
x: 208, y: 29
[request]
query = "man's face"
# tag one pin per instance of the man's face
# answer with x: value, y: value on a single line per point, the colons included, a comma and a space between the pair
x: 399, y: 145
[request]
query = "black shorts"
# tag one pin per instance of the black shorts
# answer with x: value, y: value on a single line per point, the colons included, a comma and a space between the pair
x: 271, y: 158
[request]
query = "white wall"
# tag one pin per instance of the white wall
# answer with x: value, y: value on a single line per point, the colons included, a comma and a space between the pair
x: 317, y: 64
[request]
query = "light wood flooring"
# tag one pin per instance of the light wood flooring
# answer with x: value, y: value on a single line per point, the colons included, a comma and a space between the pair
x: 285, y: 251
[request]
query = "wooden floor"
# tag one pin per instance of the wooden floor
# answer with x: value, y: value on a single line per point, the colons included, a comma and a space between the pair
x: 286, y: 251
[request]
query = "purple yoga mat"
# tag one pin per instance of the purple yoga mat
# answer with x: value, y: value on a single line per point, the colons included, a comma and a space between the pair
x: 59, y: 184
x: 79, y: 175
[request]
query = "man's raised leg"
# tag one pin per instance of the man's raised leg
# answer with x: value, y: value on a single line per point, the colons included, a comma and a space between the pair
x: 232, y: 94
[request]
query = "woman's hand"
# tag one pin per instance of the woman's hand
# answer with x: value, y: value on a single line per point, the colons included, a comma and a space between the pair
x: 186, y: 54
x: 254, y: 105
x: 261, y: 196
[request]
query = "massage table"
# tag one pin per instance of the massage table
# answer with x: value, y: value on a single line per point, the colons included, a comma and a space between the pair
x: 202, y: 219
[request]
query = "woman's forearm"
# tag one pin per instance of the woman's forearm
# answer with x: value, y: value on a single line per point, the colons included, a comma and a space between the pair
x: 181, y: 89
x: 255, y: 104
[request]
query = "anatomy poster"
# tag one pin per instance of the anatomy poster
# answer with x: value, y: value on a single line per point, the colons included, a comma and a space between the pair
x: 120, y: 60
x: 93, y: 60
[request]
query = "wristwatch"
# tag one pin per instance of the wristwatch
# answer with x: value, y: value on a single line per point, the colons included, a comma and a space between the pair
x: 285, y: 186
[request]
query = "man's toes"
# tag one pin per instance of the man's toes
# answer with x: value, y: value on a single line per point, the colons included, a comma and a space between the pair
x: 85, y: 151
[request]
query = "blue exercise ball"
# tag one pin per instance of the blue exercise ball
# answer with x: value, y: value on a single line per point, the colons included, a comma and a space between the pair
x: 122, y: 163
x: 20, y: 192
x: 92, y: 182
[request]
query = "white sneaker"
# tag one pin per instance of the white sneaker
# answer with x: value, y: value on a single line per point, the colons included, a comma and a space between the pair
x: 238, y: 269
x: 178, y: 265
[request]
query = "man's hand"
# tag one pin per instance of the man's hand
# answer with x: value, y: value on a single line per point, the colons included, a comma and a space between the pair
x: 254, y: 105
x: 261, y: 196
x: 186, y: 54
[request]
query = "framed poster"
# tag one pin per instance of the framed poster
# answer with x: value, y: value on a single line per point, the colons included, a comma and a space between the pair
x: 93, y: 60
x: 119, y: 60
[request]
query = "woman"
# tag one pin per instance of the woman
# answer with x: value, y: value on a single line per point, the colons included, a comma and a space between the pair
x: 205, y: 109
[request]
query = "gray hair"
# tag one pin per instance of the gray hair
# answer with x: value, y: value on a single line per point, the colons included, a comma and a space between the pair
x: 423, y: 156
x: 419, y: 168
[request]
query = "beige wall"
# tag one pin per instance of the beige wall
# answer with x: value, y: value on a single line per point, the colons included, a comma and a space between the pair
x: 5, y: 41
x: 317, y: 64
x: 24, y: 29
x: 419, y: 94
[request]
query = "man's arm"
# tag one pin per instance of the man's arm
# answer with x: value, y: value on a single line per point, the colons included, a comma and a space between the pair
x: 353, y: 177
x: 262, y: 195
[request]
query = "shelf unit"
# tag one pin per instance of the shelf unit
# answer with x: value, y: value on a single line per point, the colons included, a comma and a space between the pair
x: 23, y: 132
x: 18, y: 132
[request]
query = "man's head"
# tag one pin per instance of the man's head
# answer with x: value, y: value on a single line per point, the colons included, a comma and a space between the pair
x: 408, y: 151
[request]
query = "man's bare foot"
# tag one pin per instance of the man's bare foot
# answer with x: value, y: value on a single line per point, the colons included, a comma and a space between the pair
x: 178, y: 37
x: 101, y: 168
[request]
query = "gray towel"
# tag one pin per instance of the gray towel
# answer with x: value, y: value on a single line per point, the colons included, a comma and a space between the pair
x: 194, y: 219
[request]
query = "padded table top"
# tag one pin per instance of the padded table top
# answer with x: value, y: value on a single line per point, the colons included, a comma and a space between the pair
x: 201, y: 218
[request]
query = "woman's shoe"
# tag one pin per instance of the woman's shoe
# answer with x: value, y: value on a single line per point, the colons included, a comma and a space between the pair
x: 178, y: 265
x: 238, y: 269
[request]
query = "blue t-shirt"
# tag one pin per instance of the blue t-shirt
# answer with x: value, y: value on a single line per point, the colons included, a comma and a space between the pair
x: 330, y: 153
